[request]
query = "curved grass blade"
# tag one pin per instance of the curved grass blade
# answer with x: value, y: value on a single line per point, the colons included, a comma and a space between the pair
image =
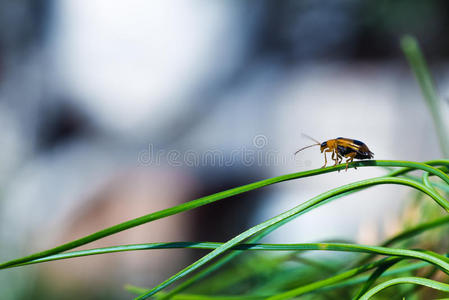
x: 441, y: 186
x: 229, y: 256
x: 426, y: 181
x: 412, y: 280
x: 164, y: 213
x: 331, y: 281
x: 372, y: 279
x: 405, y: 169
x: 416, y: 230
x: 402, y: 253
x: 412, y: 232
x: 255, y: 247
x: 308, y: 204
x: 416, y: 288
x: 348, y: 274
x: 425, y: 255
x: 225, y: 194
x: 343, y: 279
x: 364, y: 278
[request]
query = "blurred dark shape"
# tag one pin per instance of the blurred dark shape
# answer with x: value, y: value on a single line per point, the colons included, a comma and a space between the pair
x: 302, y: 30
x: 298, y: 31
x: 129, y: 194
x: 22, y: 25
x: 225, y: 219
x: 60, y: 124
x: 382, y: 23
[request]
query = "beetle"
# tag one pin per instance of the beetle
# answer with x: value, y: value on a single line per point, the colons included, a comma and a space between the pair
x: 342, y: 148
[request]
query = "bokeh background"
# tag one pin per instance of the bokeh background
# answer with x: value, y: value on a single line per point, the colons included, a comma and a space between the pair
x: 110, y: 110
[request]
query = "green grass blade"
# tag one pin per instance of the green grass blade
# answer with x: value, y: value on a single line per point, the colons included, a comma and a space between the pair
x: 248, y: 246
x: 222, y: 195
x: 355, y: 271
x: 419, y: 66
x: 426, y: 181
x: 308, y: 204
x: 417, y: 230
x: 138, y: 290
x: 412, y: 232
x: 414, y: 289
x: 263, y: 247
x: 441, y: 186
x: 223, y: 260
x: 229, y: 256
x: 395, y: 253
x: 406, y: 169
x: 364, y: 278
x: 328, y: 282
x: 164, y: 213
x: 372, y: 279
x: 411, y: 280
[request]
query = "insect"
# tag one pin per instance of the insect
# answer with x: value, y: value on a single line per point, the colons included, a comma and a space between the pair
x: 342, y: 148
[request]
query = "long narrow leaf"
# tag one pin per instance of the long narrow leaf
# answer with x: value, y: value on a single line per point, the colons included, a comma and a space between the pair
x: 225, y: 194
x: 372, y: 279
x: 253, y: 247
x: 412, y: 280
x: 229, y: 256
x: 419, y: 66
x: 412, y: 232
x: 308, y: 204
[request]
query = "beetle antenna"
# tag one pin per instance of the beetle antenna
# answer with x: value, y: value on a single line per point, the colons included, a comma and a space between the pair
x: 317, y: 144
x: 310, y: 138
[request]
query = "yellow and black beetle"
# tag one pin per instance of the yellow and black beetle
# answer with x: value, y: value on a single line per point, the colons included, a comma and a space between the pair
x: 342, y: 147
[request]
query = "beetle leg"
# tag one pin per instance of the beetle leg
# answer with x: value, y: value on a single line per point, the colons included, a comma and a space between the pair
x: 335, y: 157
x: 350, y: 158
x: 325, y: 158
x: 338, y: 159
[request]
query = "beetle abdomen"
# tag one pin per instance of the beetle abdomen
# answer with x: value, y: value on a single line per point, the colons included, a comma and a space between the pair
x: 347, y: 146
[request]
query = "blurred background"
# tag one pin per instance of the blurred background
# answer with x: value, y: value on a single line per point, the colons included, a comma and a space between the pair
x: 114, y: 109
